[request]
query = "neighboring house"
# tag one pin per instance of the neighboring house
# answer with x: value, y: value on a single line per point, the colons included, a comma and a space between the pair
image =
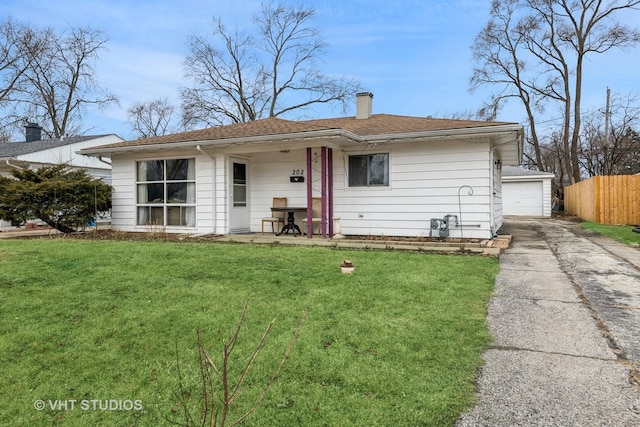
x: 526, y: 192
x: 377, y: 174
x: 36, y: 152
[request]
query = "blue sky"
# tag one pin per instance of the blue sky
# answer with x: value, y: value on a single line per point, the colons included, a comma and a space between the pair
x: 413, y: 55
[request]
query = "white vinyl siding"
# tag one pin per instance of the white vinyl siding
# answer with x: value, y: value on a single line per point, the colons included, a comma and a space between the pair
x: 269, y: 177
x: 123, y: 178
x: 124, y: 196
x: 424, y: 182
x: 67, y: 154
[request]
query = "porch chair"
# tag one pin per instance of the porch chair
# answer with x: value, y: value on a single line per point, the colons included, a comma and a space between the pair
x: 316, y: 215
x: 276, y: 217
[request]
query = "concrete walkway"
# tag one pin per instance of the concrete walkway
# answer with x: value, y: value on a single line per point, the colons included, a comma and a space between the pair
x: 565, y: 318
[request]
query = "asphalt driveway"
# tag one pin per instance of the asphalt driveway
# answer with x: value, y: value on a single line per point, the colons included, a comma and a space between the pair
x: 565, y: 318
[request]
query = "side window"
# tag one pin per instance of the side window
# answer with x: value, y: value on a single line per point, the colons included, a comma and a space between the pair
x: 370, y: 170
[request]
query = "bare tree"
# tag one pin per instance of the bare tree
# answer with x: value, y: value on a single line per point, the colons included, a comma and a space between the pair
x: 244, y: 77
x: 61, y: 81
x: 19, y: 44
x: 497, y: 50
x: 617, y: 153
x: 152, y: 118
x: 535, y: 50
x: 230, y: 83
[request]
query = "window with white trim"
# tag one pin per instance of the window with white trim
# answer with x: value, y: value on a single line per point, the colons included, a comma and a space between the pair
x: 166, y: 192
x: 369, y: 170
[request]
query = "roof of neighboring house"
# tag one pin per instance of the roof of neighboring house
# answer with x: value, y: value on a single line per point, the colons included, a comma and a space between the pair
x: 514, y: 171
x: 377, y: 124
x: 13, y: 149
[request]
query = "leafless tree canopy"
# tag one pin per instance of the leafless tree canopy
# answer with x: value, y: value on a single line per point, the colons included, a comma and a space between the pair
x: 535, y: 51
x: 62, y: 82
x: 19, y: 45
x: 241, y: 76
x: 153, y: 118
x: 615, y: 153
x: 48, y: 77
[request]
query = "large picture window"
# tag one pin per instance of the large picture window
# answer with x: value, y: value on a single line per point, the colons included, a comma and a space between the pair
x: 371, y: 170
x: 166, y: 192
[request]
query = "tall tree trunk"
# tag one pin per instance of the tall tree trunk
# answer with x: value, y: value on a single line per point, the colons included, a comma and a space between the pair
x: 577, y: 121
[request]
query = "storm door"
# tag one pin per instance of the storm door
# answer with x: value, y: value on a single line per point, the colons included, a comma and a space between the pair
x: 239, y: 196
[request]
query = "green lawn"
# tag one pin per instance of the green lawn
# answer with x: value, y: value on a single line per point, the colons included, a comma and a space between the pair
x: 396, y: 343
x: 621, y: 233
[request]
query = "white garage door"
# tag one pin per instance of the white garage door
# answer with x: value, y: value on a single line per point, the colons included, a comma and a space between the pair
x: 522, y: 198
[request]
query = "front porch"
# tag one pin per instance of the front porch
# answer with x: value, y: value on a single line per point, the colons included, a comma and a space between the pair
x: 299, y: 175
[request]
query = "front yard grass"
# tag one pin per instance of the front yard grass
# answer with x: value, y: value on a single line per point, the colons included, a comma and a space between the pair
x: 396, y: 343
x: 621, y: 233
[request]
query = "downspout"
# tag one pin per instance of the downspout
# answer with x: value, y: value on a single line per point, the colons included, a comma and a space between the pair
x: 492, y: 204
x: 13, y: 166
x: 103, y: 161
x: 213, y: 185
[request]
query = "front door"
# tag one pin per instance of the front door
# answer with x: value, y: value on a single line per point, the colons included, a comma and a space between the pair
x: 238, y: 193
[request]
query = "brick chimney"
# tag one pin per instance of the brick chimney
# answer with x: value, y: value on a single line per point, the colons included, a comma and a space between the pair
x: 363, y: 105
x: 33, y: 132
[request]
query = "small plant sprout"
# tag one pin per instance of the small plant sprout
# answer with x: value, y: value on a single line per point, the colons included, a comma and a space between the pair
x: 219, y: 392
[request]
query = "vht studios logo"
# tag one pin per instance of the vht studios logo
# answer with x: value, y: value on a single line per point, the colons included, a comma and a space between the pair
x: 88, y: 405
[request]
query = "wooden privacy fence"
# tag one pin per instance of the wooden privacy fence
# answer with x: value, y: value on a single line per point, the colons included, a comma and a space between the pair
x: 605, y: 199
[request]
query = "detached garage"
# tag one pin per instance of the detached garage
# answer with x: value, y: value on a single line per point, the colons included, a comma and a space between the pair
x: 526, y: 192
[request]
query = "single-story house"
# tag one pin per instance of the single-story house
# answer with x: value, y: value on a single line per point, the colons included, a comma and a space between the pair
x: 526, y: 192
x: 376, y: 174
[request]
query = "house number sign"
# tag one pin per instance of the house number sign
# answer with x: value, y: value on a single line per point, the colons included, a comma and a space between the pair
x: 297, y: 175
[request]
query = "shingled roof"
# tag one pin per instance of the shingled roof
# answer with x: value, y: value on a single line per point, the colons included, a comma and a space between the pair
x: 13, y: 149
x: 388, y: 124
x: 377, y: 124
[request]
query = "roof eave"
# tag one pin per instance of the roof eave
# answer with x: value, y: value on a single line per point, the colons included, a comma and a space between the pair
x: 536, y: 177
x: 444, y: 133
x: 507, y: 138
x: 226, y: 142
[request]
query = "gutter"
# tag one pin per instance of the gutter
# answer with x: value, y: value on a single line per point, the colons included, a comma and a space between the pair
x: 8, y: 162
x: 485, y: 130
x: 518, y: 178
x: 255, y: 140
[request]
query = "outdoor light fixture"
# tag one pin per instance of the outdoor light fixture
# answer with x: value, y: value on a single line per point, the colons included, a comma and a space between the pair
x: 498, y: 164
